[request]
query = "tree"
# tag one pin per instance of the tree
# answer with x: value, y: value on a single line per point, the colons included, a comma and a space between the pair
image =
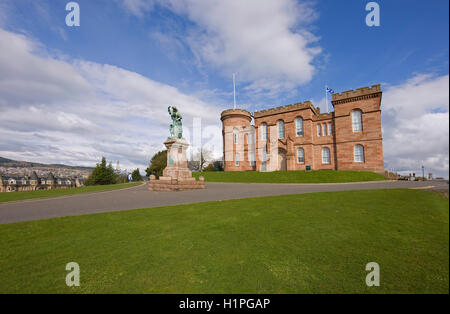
x: 157, y: 164
x: 102, y: 174
x: 200, y: 160
x: 209, y: 167
x: 136, y: 176
x: 216, y: 165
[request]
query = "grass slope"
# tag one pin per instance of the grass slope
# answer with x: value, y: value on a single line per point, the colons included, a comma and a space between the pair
x: 309, y: 243
x: 19, y: 196
x: 316, y: 176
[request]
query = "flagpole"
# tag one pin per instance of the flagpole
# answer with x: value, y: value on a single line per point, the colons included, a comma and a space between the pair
x: 326, y: 97
x: 234, y: 89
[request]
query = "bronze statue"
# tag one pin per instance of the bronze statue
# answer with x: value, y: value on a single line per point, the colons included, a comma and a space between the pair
x: 176, y: 128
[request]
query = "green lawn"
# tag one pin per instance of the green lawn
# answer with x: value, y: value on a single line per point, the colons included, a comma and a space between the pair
x: 19, y: 196
x: 308, y: 243
x: 317, y: 176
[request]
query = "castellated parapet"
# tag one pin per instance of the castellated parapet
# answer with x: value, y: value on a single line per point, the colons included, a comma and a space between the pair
x: 283, y: 109
x: 355, y: 95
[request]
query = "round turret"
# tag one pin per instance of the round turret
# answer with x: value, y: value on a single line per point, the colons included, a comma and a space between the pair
x: 236, y: 125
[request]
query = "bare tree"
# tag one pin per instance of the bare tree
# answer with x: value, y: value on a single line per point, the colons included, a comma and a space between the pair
x: 200, y: 160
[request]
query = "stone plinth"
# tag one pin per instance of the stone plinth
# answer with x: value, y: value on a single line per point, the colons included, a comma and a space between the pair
x: 176, y: 176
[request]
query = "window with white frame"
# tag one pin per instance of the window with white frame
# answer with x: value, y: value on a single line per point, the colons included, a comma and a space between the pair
x: 264, y: 132
x: 236, y: 136
x: 326, y: 155
x: 236, y: 159
x: 358, y: 153
x: 281, y: 129
x: 356, y: 120
x: 319, y: 130
x: 300, y: 155
x: 299, y: 126
x: 330, y: 126
x: 324, y: 128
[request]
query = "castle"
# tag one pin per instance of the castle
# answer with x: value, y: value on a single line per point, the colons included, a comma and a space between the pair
x: 33, y: 183
x: 299, y: 137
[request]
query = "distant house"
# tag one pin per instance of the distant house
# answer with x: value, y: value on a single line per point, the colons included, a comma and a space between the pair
x: 34, y: 183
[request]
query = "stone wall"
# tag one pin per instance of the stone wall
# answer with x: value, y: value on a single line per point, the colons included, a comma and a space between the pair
x: 170, y: 184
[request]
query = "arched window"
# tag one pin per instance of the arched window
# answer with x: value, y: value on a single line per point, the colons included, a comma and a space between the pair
x: 299, y: 126
x: 236, y: 136
x: 356, y: 120
x: 319, y: 130
x: 358, y: 153
x: 281, y: 129
x: 300, y: 155
x: 326, y: 155
x: 264, y: 132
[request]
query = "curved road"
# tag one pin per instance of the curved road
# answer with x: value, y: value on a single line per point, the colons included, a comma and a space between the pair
x: 140, y: 197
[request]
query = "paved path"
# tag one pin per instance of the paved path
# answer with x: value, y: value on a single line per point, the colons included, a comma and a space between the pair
x: 140, y: 197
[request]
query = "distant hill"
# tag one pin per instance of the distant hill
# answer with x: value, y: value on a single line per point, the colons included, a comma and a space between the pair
x: 5, y: 162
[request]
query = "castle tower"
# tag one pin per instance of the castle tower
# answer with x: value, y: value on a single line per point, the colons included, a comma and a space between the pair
x: 357, y: 117
x: 238, y: 140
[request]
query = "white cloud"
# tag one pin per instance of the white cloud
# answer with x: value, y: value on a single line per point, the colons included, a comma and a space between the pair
x: 27, y: 76
x: 137, y: 7
x: 415, y: 118
x: 75, y: 111
x: 267, y: 42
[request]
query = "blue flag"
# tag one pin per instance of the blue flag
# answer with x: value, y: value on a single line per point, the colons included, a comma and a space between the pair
x: 329, y: 90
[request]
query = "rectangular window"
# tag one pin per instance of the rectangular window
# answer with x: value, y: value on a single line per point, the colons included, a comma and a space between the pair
x: 324, y: 129
x: 330, y: 132
x: 280, y: 129
x: 299, y: 126
x: 264, y: 132
x: 319, y: 130
x: 325, y: 155
x: 236, y: 159
x: 300, y: 156
x: 356, y: 121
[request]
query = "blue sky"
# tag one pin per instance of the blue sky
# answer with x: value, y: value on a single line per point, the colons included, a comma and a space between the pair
x: 283, y: 52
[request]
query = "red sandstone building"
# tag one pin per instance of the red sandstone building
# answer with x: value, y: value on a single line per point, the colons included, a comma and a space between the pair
x: 299, y: 137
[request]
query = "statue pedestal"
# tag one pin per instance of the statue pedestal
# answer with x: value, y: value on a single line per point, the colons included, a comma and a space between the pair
x: 176, y: 176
